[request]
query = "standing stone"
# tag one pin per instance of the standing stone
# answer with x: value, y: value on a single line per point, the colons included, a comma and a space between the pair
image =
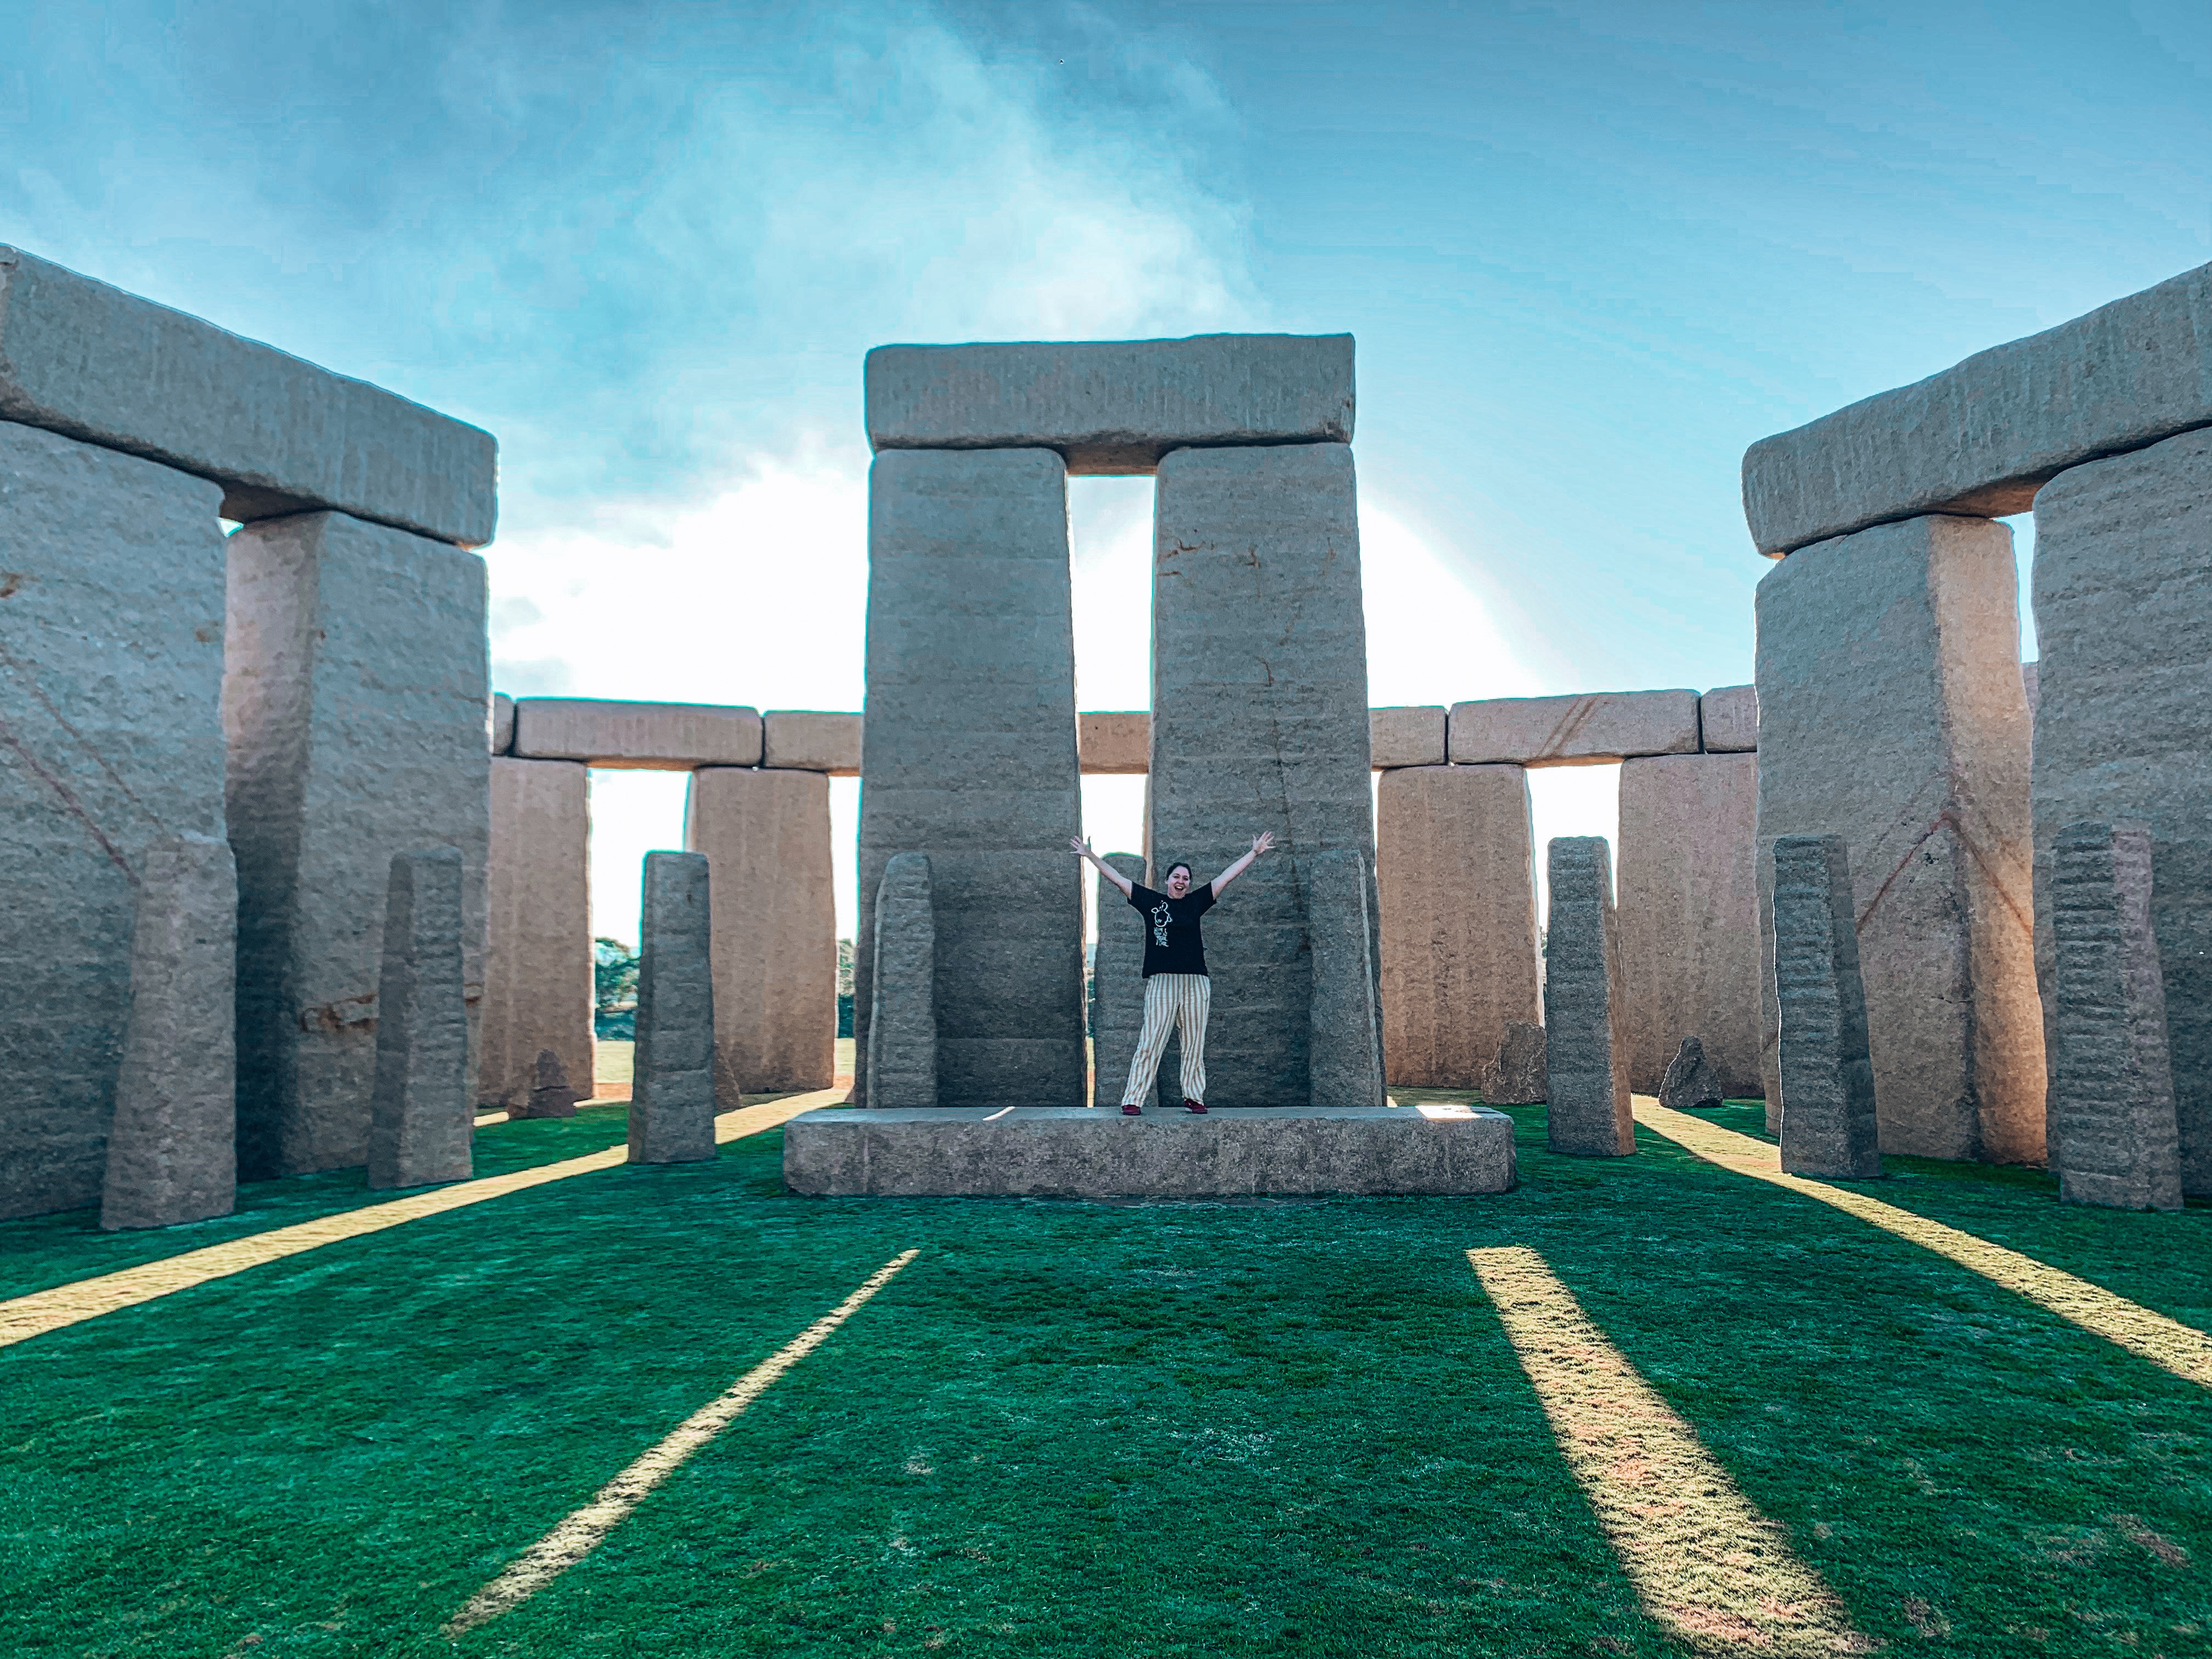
x: 551, y: 1094
x: 1586, y: 1059
x: 969, y: 756
x: 903, y: 1029
x: 1829, y: 1124
x: 1691, y: 1079
x: 1455, y: 869
x: 537, y: 958
x: 1689, y: 914
x: 170, y: 1150
x: 1346, y: 1033
x: 1891, y: 712
x: 420, y: 1120
x: 1517, y: 1076
x: 766, y: 834
x: 111, y: 684
x: 1260, y: 722
x: 2113, y: 1138
x: 1117, y: 985
x: 354, y: 688
x: 2123, y: 584
x: 671, y: 1103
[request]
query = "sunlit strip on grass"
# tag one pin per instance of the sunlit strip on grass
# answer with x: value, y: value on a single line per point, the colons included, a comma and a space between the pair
x: 26, y: 1316
x: 2182, y: 1349
x: 1719, y: 1575
x: 583, y: 1531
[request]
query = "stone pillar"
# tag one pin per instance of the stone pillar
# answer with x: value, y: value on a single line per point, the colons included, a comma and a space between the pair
x: 1117, y: 985
x: 968, y: 756
x: 671, y: 1103
x: 1827, y: 1094
x: 902, y: 1025
x: 2113, y: 1134
x: 1454, y: 867
x: 110, y: 680
x: 420, y: 1113
x: 170, y: 1150
x: 354, y: 690
x: 1260, y: 722
x: 1689, y: 915
x: 1586, y: 1060
x: 2123, y: 612
x: 537, y: 957
x: 767, y: 835
x: 1344, y: 1039
x: 1516, y: 1076
x: 1891, y: 712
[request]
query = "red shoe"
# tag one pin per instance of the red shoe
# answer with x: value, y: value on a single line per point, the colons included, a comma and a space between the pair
x: 1198, y: 1106
x: 1130, y: 1108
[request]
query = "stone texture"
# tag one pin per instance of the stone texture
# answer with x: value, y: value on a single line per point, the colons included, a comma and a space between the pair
x: 2030, y: 683
x: 1586, y: 1059
x: 1518, y: 1075
x: 1077, y: 1154
x: 1405, y: 737
x: 902, y: 1026
x: 420, y: 1120
x: 1344, y: 1040
x: 1728, y: 719
x: 1891, y: 714
x: 1689, y: 914
x: 1114, y: 743
x: 111, y: 676
x: 551, y: 1094
x: 809, y: 741
x: 767, y: 835
x: 354, y: 694
x: 1577, y: 731
x: 537, y: 955
x: 969, y: 757
x: 171, y: 1149
x: 1829, y: 1122
x: 672, y: 1102
x: 501, y: 723
x: 1113, y: 406
x: 2123, y: 584
x: 1690, y: 1080
x: 1455, y: 869
x: 1259, y: 723
x: 1117, y: 986
x: 1980, y: 438
x: 277, y: 434
x: 2113, y: 1134
x: 639, y: 737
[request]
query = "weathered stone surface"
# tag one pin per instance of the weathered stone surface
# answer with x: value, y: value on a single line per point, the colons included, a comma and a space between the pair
x: 2123, y: 584
x: 1405, y: 737
x: 1578, y: 731
x: 1891, y: 714
x: 1690, y: 1080
x: 171, y: 1149
x: 1115, y: 405
x: 1117, y: 985
x: 672, y: 1102
x: 1827, y: 1094
x: 538, y: 955
x: 903, y: 1023
x: 111, y: 676
x: 969, y: 757
x: 1455, y: 869
x: 810, y: 741
x: 279, y: 435
x: 640, y: 737
x: 1586, y: 1059
x: 501, y: 723
x: 1518, y: 1075
x: 767, y: 834
x: 1077, y: 1154
x: 420, y: 1120
x: 1113, y: 742
x: 1346, y: 1029
x: 2113, y: 1134
x: 1979, y: 438
x: 354, y: 694
x: 1728, y: 719
x: 2029, y: 683
x: 1258, y: 547
x: 1689, y: 914
x: 552, y: 1094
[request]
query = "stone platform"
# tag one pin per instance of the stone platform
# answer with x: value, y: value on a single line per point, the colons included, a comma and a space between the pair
x: 1073, y: 1153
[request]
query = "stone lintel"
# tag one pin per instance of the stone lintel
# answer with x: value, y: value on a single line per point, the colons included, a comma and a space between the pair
x: 1405, y: 737
x: 649, y: 737
x: 1114, y: 743
x: 808, y: 740
x: 501, y: 723
x: 1728, y: 719
x: 1588, y: 729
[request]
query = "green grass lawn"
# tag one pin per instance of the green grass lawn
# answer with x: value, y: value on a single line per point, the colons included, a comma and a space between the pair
x: 1083, y: 1429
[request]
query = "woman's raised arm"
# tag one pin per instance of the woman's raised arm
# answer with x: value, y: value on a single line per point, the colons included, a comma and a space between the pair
x: 1083, y: 848
x: 1261, y: 843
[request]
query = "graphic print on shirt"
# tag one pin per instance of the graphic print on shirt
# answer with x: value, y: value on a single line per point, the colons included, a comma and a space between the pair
x: 1160, y: 917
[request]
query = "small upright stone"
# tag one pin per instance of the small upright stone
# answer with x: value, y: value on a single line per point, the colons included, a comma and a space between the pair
x: 1585, y: 1033
x: 1516, y: 1076
x: 1828, y: 1125
x: 903, y: 1032
x: 421, y: 1118
x: 1691, y: 1079
x: 171, y: 1149
x: 2113, y: 1137
x: 1345, y: 1045
x: 1117, y: 985
x: 671, y: 1107
x: 550, y: 1093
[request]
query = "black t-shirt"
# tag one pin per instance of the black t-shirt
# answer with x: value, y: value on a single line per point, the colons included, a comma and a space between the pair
x: 1171, y: 942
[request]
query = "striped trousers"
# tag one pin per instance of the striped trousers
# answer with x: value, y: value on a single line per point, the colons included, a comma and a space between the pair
x: 1171, y: 1001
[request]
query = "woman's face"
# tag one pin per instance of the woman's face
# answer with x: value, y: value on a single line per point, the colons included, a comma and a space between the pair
x: 1179, y: 881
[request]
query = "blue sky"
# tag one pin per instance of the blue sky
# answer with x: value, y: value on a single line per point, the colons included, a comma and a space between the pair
x: 1590, y: 253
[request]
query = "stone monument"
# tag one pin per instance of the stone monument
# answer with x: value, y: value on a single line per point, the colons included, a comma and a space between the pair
x: 671, y: 1107
x: 1586, y: 1059
x: 421, y: 1117
x: 1828, y: 1092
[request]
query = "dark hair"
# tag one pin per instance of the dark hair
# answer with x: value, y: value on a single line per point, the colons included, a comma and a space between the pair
x: 1177, y: 864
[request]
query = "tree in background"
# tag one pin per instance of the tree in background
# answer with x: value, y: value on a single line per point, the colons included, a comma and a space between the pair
x: 614, y: 990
